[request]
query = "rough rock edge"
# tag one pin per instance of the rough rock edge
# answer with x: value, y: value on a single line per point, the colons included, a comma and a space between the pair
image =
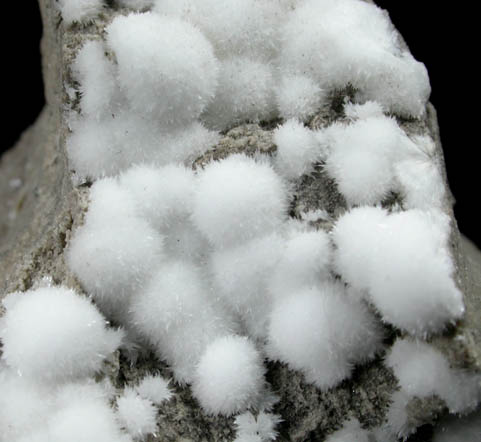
x: 43, y: 209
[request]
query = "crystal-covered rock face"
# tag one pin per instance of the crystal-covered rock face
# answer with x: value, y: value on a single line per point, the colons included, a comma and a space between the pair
x: 255, y: 193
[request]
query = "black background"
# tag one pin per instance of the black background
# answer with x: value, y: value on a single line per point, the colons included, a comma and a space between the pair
x: 443, y: 36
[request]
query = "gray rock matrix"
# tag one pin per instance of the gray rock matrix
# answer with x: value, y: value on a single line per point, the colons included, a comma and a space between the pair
x: 41, y: 208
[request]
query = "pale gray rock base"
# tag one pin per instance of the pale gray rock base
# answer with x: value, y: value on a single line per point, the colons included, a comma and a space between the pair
x: 41, y: 208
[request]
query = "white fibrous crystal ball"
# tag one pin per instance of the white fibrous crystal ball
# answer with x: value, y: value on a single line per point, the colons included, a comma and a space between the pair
x: 241, y: 272
x: 403, y: 262
x: 423, y: 371
x: 322, y: 332
x: 110, y: 202
x: 304, y: 262
x: 54, y: 334
x: 362, y: 156
x: 245, y: 93
x: 241, y: 276
x: 79, y: 403
x: 96, y: 75
x: 24, y: 405
x: 238, y: 199
x: 106, y: 148
x: 263, y: 426
x: 113, y: 262
x: 420, y: 177
x: 353, y: 42
x: 230, y: 376
x: 167, y: 67
x: 299, y: 97
x: 114, y: 253
x: 164, y: 195
x: 138, y: 416
x: 154, y: 388
x: 172, y: 298
x: 298, y: 149
x: 175, y: 314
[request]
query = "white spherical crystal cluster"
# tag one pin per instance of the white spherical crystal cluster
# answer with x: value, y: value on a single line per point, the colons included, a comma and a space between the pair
x: 53, y: 334
x: 204, y: 265
x: 323, y: 332
x: 54, y: 342
x: 409, y: 277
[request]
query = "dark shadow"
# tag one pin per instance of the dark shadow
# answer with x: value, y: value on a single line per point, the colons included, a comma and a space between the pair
x: 22, y: 84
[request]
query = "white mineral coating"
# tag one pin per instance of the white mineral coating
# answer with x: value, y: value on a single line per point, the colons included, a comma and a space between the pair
x: 204, y: 265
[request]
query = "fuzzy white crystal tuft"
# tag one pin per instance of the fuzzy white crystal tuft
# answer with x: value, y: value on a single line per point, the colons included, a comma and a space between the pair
x: 136, y: 414
x: 54, y: 334
x: 238, y: 199
x: 298, y: 149
x: 230, y: 376
x: 402, y: 260
x: 262, y: 426
x: 322, y: 332
x: 170, y: 74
